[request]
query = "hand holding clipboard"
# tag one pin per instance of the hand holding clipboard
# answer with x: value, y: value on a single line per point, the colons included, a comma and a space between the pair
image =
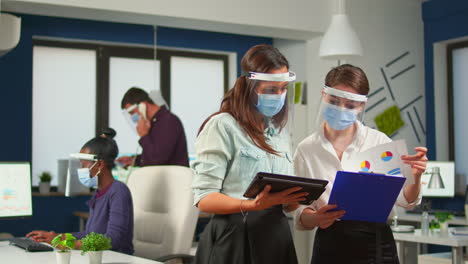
x: 365, y: 196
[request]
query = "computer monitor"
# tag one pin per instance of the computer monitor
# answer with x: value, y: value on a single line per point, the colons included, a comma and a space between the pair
x: 15, y: 189
x: 62, y: 172
x: 446, y: 170
x: 73, y: 185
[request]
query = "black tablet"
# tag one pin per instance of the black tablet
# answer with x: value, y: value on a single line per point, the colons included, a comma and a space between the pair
x: 278, y: 183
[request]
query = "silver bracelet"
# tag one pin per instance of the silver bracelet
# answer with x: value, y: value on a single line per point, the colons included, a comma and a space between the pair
x: 244, y: 216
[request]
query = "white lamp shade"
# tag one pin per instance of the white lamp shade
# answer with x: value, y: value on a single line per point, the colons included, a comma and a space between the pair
x: 340, y: 41
x: 10, y: 31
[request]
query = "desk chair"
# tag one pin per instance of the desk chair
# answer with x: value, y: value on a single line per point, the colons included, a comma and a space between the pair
x: 164, y: 215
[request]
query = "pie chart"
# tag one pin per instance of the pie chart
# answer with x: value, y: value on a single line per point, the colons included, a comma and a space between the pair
x: 387, y: 156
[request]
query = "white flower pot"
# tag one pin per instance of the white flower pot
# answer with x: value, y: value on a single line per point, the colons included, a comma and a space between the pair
x: 95, y: 257
x: 444, y: 227
x: 63, y: 257
x: 44, y: 187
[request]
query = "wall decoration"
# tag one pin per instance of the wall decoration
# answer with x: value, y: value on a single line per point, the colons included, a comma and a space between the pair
x: 389, y: 121
x: 403, y: 112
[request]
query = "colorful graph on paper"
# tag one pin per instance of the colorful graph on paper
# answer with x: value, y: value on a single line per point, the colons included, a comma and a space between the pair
x: 15, y: 189
x: 381, y: 159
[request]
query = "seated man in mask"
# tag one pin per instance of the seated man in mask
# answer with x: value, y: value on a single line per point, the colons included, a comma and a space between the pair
x: 162, y: 135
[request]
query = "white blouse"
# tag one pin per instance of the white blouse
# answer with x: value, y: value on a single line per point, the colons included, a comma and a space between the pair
x: 316, y: 158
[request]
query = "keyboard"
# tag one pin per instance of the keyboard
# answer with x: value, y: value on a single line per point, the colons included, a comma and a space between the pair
x: 29, y: 245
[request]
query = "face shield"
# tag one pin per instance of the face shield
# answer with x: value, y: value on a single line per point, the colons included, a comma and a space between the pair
x: 339, y: 109
x: 132, y: 116
x: 157, y: 98
x: 81, y: 164
x: 273, y: 95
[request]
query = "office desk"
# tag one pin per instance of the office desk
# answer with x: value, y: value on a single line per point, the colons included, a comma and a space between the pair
x: 13, y: 254
x: 83, y: 216
x: 416, y: 218
x: 456, y: 242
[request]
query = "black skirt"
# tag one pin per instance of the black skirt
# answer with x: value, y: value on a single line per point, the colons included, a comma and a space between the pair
x: 355, y: 242
x: 264, y: 238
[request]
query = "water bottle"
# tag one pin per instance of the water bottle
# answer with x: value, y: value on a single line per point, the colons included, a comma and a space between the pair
x: 425, y: 223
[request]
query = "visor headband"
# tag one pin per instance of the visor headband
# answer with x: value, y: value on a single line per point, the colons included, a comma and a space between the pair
x: 274, y: 77
x: 128, y: 110
x: 84, y: 156
x: 347, y: 95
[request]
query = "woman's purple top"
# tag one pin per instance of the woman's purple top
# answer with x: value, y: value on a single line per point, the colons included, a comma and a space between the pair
x: 111, y: 214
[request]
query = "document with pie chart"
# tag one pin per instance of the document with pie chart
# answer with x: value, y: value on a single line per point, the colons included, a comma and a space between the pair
x: 382, y: 159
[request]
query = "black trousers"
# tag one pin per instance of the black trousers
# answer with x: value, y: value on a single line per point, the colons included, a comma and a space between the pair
x: 355, y: 242
x: 264, y: 238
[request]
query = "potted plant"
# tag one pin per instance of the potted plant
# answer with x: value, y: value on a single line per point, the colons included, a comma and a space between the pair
x: 64, y: 243
x: 441, y: 221
x: 94, y: 244
x: 44, y: 185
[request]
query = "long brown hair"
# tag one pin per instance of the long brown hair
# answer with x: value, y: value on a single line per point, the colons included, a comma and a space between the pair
x: 241, y: 99
x: 348, y: 75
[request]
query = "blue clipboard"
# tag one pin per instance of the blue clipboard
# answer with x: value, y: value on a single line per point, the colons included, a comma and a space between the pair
x: 365, y: 196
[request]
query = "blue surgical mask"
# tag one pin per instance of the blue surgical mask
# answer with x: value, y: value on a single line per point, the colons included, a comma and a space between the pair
x: 339, y: 118
x: 135, y: 117
x: 84, y: 175
x: 270, y: 104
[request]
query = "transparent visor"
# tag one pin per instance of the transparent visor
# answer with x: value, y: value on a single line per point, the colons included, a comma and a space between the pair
x: 273, y: 97
x: 157, y: 98
x: 132, y: 116
x: 271, y: 93
x: 82, y: 160
x: 339, y: 110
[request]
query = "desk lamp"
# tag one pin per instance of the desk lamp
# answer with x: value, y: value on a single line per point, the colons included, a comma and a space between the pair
x: 436, y: 181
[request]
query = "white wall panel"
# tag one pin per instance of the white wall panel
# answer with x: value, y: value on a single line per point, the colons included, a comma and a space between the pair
x: 197, y: 88
x: 64, y: 105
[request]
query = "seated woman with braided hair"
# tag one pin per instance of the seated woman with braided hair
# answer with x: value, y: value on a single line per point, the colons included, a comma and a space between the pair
x: 111, y: 206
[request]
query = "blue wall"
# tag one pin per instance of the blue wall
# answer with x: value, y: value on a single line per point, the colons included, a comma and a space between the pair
x: 16, y: 66
x: 443, y: 20
x: 55, y: 213
x: 49, y: 213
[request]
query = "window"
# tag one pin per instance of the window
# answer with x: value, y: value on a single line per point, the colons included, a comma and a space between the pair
x: 78, y: 87
x: 64, y: 103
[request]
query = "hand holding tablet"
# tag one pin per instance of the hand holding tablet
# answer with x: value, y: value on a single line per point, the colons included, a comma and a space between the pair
x: 280, y: 183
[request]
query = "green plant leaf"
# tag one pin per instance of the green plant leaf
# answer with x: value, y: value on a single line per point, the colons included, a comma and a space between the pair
x: 65, y: 244
x: 95, y: 242
x: 69, y: 236
x: 434, y: 224
x: 45, y: 177
x: 57, y: 239
x: 443, y: 216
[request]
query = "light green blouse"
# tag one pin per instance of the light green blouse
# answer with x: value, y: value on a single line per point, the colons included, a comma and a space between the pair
x: 227, y: 159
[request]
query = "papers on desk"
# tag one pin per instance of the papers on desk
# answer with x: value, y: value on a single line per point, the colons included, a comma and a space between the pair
x: 382, y: 159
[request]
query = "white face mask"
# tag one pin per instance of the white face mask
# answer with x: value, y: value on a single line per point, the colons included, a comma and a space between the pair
x: 84, y: 175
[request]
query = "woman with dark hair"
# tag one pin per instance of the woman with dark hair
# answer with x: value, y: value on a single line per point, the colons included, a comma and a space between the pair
x: 111, y: 206
x: 340, y: 134
x: 247, y: 135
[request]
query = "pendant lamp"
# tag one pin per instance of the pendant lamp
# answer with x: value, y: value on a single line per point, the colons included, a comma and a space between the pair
x: 340, y: 40
x: 10, y: 30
